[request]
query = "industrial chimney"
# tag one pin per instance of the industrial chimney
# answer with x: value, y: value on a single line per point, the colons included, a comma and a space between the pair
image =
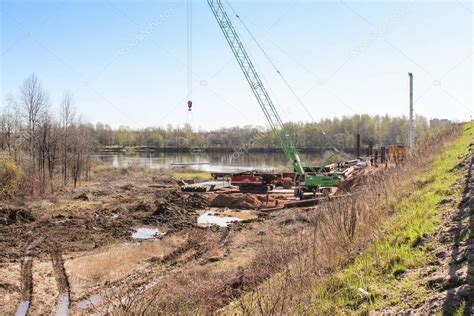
x: 411, y: 142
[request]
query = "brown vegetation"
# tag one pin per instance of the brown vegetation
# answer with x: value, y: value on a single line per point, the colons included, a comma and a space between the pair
x: 312, y: 244
x: 86, y: 232
x: 36, y: 145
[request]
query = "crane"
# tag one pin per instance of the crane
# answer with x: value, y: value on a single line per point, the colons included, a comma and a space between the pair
x: 303, y: 181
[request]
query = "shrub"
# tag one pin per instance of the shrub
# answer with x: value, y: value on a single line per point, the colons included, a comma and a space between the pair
x: 11, y: 176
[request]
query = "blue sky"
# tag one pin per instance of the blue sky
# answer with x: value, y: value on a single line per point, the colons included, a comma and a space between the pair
x: 125, y: 61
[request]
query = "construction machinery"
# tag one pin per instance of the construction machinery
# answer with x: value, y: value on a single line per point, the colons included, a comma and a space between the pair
x: 254, y: 181
x: 316, y: 182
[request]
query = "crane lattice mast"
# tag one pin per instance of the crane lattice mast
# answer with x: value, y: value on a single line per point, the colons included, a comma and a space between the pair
x: 264, y: 100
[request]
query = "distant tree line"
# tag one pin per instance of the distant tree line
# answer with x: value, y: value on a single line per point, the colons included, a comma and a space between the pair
x: 337, y: 132
x: 51, y: 148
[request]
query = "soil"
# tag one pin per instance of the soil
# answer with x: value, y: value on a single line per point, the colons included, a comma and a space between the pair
x: 86, y: 230
x: 60, y: 273
x: 453, y: 277
x: 175, y: 209
x: 78, y: 244
x: 9, y: 216
x: 50, y: 246
x: 449, y: 275
x: 237, y: 201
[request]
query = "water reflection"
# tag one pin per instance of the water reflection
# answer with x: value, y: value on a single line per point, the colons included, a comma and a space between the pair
x: 218, y: 162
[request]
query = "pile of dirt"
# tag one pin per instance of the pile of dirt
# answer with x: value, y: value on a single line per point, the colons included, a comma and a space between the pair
x: 73, y: 233
x: 237, y: 201
x: 85, y: 231
x: 9, y: 216
x: 165, y: 181
x: 271, y: 199
x: 83, y: 197
x: 182, y: 200
x: 176, y: 209
x: 142, y: 206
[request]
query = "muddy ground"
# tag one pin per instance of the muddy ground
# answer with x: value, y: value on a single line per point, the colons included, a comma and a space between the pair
x: 75, y: 248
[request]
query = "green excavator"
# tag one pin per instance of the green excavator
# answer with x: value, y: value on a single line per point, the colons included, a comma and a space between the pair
x: 317, y: 180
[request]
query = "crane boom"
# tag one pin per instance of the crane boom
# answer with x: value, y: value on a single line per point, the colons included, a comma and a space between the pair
x: 263, y: 98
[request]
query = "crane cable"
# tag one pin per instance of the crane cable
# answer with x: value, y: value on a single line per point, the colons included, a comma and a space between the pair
x: 190, y: 47
x: 189, y: 31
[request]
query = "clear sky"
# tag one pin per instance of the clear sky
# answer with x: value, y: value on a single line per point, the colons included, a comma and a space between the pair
x: 126, y: 61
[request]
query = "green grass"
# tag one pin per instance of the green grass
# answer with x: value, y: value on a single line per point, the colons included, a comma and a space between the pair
x: 201, y: 175
x: 380, y: 269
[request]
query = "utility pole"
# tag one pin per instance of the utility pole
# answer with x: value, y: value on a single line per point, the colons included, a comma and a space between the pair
x: 411, y: 142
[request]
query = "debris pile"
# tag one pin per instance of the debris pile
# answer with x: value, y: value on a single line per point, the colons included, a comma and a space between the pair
x: 83, y: 197
x: 9, y: 216
x: 142, y: 206
x: 176, y: 209
x: 357, y: 177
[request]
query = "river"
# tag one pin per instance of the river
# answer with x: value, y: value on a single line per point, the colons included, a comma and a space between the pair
x: 218, y: 162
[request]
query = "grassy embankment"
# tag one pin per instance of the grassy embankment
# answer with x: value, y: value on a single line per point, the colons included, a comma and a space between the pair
x: 379, y: 270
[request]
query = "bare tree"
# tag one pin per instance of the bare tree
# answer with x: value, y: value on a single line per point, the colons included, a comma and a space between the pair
x: 81, y: 142
x: 8, y: 123
x: 33, y: 105
x: 46, y: 148
x: 49, y: 149
x: 68, y: 115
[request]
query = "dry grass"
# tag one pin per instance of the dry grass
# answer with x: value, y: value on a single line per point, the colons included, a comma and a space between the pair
x: 115, y: 262
x: 287, y: 263
x: 45, y: 292
x: 101, y: 171
x: 203, y: 290
x: 339, y: 231
x: 10, y: 287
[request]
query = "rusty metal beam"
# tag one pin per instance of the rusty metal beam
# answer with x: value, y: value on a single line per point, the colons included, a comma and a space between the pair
x: 358, y: 146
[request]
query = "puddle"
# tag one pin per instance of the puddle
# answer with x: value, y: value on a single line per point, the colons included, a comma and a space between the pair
x: 109, y: 297
x: 23, y: 308
x: 147, y: 233
x: 89, y: 302
x: 63, y: 305
x: 211, y: 218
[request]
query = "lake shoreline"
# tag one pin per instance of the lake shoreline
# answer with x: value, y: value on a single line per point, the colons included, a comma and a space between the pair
x: 210, y: 161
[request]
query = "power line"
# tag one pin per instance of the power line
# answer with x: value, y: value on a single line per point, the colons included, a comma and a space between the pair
x: 300, y: 101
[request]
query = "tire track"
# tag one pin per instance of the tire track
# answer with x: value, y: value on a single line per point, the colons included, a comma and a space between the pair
x: 26, y: 285
x: 27, y: 279
x: 138, y: 283
x: 64, y: 297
